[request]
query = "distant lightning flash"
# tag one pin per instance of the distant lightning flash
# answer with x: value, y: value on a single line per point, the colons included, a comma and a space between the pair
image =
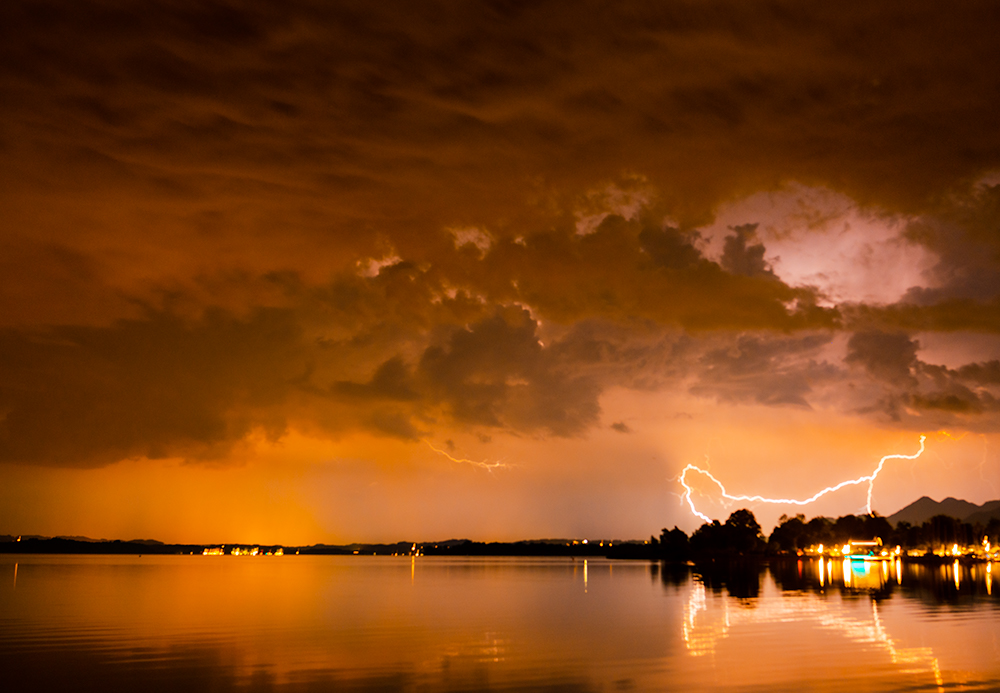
x: 791, y: 501
x: 489, y: 466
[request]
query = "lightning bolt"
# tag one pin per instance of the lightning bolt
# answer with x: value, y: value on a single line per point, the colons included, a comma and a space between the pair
x: 489, y: 466
x: 790, y: 501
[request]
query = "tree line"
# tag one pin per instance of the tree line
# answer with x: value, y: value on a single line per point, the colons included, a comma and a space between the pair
x: 742, y: 534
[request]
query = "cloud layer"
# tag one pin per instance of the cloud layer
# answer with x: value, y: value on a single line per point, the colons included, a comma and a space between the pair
x: 236, y: 219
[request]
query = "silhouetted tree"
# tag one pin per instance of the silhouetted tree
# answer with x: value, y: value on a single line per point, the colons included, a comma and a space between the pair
x: 876, y: 526
x: 674, y: 544
x: 709, y: 537
x: 849, y: 527
x: 993, y: 530
x: 743, y: 532
x: 819, y: 530
x: 943, y: 530
x: 789, y: 534
x: 740, y: 534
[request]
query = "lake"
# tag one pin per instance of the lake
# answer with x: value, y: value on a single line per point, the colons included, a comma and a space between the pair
x: 362, y: 623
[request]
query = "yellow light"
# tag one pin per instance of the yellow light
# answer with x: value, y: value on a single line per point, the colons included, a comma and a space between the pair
x: 954, y: 549
x: 820, y: 548
x: 846, y: 549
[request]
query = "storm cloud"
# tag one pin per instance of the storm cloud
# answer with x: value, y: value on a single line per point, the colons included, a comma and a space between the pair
x: 237, y: 219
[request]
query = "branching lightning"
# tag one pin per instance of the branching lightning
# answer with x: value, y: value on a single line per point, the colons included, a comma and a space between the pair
x: 790, y: 501
x: 488, y: 466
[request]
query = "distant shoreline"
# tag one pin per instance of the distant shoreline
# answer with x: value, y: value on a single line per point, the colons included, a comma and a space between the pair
x: 634, y: 550
x: 567, y: 548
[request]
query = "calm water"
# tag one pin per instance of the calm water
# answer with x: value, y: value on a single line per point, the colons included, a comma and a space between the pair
x: 299, y: 623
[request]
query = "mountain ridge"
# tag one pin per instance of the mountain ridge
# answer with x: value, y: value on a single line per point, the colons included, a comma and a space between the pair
x: 925, y: 507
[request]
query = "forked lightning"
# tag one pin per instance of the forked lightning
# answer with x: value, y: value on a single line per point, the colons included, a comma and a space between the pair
x: 791, y: 501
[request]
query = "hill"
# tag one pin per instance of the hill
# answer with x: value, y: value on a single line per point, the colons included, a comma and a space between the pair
x: 923, y: 509
x: 987, y: 512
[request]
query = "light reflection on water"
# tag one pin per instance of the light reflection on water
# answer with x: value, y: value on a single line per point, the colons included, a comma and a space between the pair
x: 307, y: 623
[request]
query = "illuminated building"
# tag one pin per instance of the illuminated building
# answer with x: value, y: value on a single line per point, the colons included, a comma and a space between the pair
x: 866, y: 550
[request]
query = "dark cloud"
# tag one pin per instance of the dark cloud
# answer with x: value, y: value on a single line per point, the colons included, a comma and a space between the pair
x: 165, y: 385
x: 741, y: 257
x: 200, y: 139
x: 961, y: 291
x: 910, y: 388
x: 228, y: 217
x: 153, y: 387
x: 640, y: 269
x: 497, y: 372
x: 964, y: 233
x: 986, y: 373
x: 621, y: 427
x: 391, y: 381
x: 890, y: 357
x: 947, y: 403
x: 950, y: 315
x: 765, y: 370
x: 669, y: 248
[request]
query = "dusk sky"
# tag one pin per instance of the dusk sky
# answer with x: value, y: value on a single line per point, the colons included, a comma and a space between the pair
x: 352, y: 271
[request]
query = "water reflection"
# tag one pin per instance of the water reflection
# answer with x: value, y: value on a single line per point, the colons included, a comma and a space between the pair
x: 707, y: 622
x: 945, y: 583
x: 429, y: 624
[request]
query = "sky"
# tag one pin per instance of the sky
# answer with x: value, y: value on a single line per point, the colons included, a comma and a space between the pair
x: 309, y: 272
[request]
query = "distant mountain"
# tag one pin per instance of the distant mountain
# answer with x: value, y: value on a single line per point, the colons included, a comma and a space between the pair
x: 986, y: 513
x: 919, y: 511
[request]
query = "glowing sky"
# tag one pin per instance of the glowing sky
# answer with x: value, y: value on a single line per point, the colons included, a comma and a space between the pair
x: 272, y: 271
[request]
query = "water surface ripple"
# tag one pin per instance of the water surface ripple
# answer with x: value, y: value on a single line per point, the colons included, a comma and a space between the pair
x: 311, y: 623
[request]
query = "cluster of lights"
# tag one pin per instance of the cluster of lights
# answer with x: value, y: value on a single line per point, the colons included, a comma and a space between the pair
x: 985, y: 551
x: 241, y: 551
x: 577, y: 542
x: 857, y: 549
